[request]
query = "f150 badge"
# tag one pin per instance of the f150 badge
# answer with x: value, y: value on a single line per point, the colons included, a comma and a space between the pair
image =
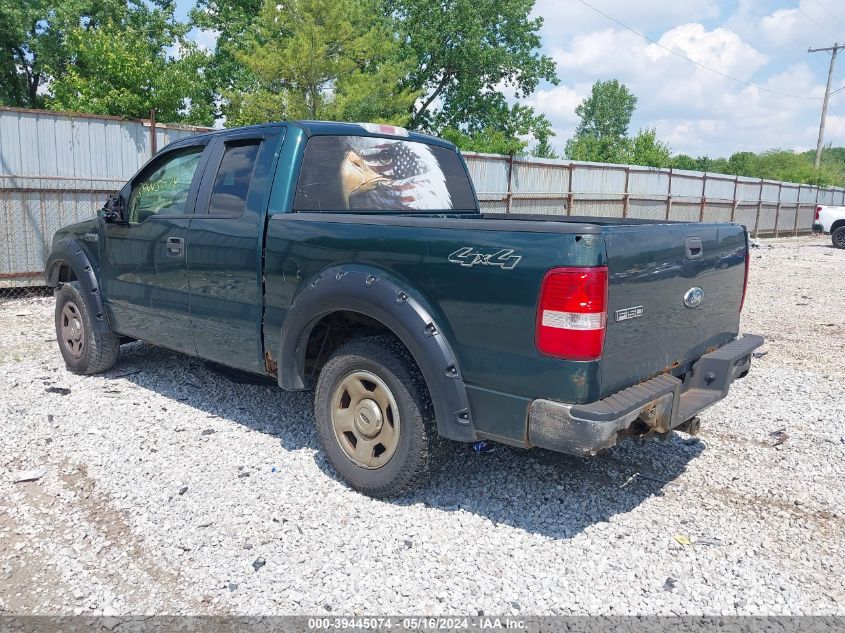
x: 629, y: 313
x: 467, y: 256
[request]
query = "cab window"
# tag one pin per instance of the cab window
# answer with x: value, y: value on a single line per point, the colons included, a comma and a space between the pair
x: 381, y: 174
x: 164, y: 189
x: 231, y: 186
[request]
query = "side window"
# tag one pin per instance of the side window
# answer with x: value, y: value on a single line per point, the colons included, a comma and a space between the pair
x: 165, y: 188
x: 231, y: 186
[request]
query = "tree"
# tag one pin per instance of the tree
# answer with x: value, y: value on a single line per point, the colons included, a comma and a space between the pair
x: 20, y: 71
x: 101, y: 56
x: 607, y: 112
x: 329, y: 59
x: 234, y: 23
x: 602, y: 134
x: 543, y: 148
x: 645, y: 149
x: 465, y: 54
x: 486, y: 141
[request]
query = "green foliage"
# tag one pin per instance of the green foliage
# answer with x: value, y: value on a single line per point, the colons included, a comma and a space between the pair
x: 646, y: 149
x: 233, y: 21
x: 20, y: 58
x: 485, y: 141
x: 589, y: 147
x: 602, y: 134
x: 101, y: 56
x: 543, y: 149
x: 607, y: 112
x: 321, y: 59
x: 776, y: 164
x: 463, y: 53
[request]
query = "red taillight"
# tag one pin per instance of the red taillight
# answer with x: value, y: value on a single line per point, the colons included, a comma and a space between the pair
x: 818, y: 210
x: 745, y: 280
x: 572, y: 313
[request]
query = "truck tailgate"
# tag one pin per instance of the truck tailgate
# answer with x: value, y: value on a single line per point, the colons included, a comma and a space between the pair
x: 651, y: 269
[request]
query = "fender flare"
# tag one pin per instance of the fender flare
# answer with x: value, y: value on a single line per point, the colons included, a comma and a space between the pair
x: 70, y: 253
x: 372, y: 293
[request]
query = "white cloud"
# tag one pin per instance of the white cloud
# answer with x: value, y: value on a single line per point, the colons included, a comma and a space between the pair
x: 697, y: 111
x: 558, y: 103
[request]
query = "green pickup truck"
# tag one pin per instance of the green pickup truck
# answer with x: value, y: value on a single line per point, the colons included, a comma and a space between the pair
x: 352, y: 259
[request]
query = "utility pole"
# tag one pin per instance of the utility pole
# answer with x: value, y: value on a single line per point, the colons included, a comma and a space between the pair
x: 833, y: 50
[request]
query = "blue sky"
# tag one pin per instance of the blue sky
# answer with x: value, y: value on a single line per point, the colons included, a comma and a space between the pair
x: 759, y: 42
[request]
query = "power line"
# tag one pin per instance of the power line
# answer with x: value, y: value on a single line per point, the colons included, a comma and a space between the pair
x: 813, y: 20
x: 699, y: 64
x: 825, y: 9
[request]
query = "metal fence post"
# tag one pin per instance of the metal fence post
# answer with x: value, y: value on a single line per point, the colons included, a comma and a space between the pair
x: 797, y: 211
x: 703, y: 202
x: 153, y: 137
x: 510, y: 185
x: 759, y: 210
x: 625, y: 196
x: 669, y: 195
x: 570, y: 199
x: 735, y: 201
x: 777, y: 210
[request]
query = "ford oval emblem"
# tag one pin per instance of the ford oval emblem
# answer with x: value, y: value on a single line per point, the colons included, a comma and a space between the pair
x: 693, y: 297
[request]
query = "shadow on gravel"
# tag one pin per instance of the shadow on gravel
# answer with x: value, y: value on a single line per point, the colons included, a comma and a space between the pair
x: 539, y: 491
x: 826, y: 246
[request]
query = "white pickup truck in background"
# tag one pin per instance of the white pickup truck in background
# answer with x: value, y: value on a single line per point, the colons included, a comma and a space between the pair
x: 831, y: 220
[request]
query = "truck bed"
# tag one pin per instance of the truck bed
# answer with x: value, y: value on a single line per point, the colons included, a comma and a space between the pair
x: 488, y: 310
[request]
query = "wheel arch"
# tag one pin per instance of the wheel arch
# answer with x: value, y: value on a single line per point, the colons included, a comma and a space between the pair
x: 69, y: 262
x: 837, y: 224
x: 402, y: 312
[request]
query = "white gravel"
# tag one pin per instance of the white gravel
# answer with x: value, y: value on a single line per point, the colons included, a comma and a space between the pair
x: 167, y: 485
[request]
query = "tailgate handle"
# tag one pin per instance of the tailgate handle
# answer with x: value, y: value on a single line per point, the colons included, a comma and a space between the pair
x: 693, y: 247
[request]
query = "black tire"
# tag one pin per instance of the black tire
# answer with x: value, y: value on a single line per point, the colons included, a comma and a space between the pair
x: 838, y: 237
x: 84, y: 350
x: 416, y: 452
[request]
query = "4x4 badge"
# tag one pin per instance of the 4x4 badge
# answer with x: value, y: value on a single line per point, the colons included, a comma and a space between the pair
x: 468, y: 256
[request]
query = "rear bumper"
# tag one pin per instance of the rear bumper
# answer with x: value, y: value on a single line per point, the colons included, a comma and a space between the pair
x: 818, y: 228
x: 657, y: 405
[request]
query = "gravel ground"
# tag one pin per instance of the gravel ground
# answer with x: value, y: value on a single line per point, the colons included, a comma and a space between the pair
x: 172, y: 488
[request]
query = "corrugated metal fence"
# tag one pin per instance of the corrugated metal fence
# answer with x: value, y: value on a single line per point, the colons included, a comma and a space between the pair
x: 530, y: 185
x: 57, y: 168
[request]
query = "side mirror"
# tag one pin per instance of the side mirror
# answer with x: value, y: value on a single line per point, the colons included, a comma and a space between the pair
x: 114, y: 209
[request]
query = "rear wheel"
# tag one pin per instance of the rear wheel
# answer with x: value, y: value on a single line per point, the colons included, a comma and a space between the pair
x: 374, y: 417
x: 838, y: 237
x: 84, y: 350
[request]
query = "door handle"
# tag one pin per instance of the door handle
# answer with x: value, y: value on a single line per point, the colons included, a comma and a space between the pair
x: 175, y: 246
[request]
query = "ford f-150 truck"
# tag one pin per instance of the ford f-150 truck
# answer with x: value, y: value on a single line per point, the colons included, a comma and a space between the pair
x: 353, y: 259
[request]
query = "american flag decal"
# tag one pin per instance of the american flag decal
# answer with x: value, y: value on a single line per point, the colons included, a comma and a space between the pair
x: 412, y: 177
x: 380, y: 128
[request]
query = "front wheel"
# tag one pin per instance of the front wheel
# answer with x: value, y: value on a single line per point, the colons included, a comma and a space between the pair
x: 374, y: 417
x: 838, y: 237
x: 84, y: 350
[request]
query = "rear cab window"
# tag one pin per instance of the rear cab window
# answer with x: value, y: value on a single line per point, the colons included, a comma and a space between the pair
x: 361, y: 173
